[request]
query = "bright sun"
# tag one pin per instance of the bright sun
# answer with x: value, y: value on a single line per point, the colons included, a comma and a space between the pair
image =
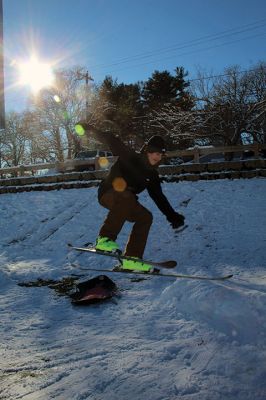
x: 36, y: 74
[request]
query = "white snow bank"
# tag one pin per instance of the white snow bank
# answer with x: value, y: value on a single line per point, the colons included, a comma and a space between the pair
x: 225, y: 307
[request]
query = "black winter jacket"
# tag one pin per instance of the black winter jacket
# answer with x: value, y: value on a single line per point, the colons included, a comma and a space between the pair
x: 136, y: 171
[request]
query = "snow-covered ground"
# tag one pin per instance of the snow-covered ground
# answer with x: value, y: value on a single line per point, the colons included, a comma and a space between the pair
x: 161, y: 339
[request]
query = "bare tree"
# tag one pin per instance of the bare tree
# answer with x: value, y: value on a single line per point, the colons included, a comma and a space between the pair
x: 183, y: 128
x: 237, y: 102
x: 226, y: 106
x: 56, y: 110
x: 14, y: 140
x: 257, y: 84
x: 39, y: 148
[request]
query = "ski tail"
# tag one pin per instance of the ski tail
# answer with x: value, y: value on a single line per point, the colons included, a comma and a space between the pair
x: 156, y: 273
x: 91, y: 249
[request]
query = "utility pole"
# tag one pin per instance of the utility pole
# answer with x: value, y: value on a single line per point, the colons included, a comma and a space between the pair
x: 2, y: 82
x: 87, y: 78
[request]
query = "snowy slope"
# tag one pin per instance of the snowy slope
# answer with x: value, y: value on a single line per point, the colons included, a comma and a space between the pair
x: 161, y: 339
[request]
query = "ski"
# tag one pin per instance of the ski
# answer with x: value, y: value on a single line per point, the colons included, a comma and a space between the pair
x: 173, y: 276
x: 119, y: 257
x: 181, y: 229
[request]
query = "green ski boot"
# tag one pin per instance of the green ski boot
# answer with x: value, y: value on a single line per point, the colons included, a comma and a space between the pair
x: 105, y: 244
x: 132, y: 265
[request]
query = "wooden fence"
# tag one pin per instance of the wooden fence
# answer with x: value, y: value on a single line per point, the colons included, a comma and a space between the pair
x: 193, y: 154
x: 170, y: 173
x: 198, y: 152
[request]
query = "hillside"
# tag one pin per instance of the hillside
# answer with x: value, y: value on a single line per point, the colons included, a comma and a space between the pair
x: 160, y: 339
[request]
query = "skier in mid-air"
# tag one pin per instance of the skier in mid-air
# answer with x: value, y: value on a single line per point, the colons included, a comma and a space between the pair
x: 131, y: 174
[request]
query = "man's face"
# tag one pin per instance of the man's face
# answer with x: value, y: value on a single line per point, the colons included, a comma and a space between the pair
x: 154, y: 158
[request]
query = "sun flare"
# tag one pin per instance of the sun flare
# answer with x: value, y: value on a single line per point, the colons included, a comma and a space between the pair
x: 35, y: 74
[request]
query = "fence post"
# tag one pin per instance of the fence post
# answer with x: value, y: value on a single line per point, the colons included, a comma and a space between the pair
x: 21, y: 170
x: 196, y: 155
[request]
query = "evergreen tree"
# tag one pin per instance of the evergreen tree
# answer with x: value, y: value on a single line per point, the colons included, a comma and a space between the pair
x: 164, y: 89
x: 122, y: 106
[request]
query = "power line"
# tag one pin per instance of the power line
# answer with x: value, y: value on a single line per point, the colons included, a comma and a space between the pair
x: 187, y: 44
x: 222, y: 75
x: 188, y: 53
x: 191, y: 43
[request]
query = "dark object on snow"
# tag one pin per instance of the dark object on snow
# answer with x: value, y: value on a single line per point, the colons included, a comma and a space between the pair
x: 97, y: 289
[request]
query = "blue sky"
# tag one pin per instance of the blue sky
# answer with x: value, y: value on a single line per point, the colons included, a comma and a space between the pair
x: 129, y: 39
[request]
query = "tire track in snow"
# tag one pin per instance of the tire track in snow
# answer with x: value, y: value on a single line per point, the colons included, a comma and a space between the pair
x: 29, y: 233
x: 69, y: 216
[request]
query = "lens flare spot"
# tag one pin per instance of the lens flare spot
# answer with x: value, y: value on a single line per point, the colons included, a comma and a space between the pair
x: 57, y: 99
x: 103, y: 162
x: 80, y: 131
x: 119, y: 184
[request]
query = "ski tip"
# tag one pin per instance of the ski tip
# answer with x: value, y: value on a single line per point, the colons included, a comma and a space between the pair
x: 168, y: 264
x: 181, y: 228
x: 224, y: 278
